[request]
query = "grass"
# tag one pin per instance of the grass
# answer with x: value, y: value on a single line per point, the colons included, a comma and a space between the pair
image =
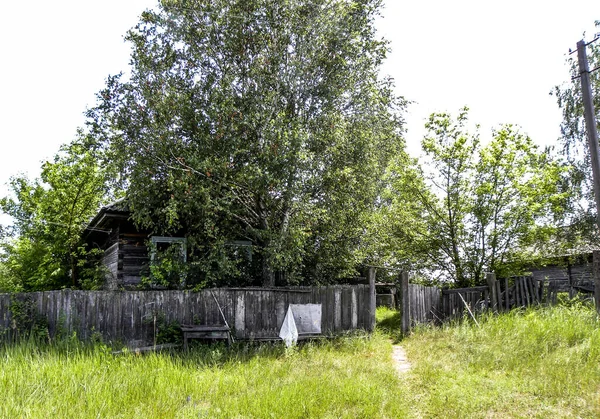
x: 542, y: 362
x: 347, y: 377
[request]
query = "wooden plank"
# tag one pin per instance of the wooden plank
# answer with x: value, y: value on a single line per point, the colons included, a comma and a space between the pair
x: 423, y: 309
x: 338, y: 309
x: 499, y: 300
x: 404, y: 290
x: 535, y: 288
x: 354, y: 309
x: 526, y: 291
x: 542, y: 296
x: 490, y: 279
x: 363, y: 296
x: 418, y: 303
x: 522, y: 299
x: 446, y: 305
x: 506, y: 295
x: 596, y: 276
x: 129, y: 315
x: 281, y: 311
x: 372, y: 302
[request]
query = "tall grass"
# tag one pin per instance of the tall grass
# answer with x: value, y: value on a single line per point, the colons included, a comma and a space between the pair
x: 347, y: 377
x: 542, y: 362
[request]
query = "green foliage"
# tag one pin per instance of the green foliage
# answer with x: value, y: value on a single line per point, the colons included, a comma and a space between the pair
x: 50, y: 214
x: 164, y: 331
x: 397, y: 229
x: 256, y: 120
x: 168, y: 332
x: 92, y: 272
x: 168, y: 268
x: 582, y: 226
x: 491, y: 206
x: 26, y: 323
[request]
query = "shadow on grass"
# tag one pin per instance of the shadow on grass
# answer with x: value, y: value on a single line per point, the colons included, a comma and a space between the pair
x: 218, y: 354
x: 389, y: 323
x: 200, y: 354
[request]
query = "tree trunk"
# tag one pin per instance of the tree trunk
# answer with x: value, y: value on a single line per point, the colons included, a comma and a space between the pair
x: 73, y: 264
x: 268, y: 275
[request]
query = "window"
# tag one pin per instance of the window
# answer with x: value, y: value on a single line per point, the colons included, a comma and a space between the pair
x: 161, y: 243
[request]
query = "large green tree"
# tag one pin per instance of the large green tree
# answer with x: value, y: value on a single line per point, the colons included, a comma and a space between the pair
x: 45, y: 250
x: 396, y: 237
x: 256, y: 119
x: 582, y: 229
x: 489, y: 205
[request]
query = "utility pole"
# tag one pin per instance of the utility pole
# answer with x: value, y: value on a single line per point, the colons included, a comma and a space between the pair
x: 590, y: 121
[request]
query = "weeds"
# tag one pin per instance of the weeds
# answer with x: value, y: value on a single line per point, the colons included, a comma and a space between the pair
x: 540, y: 362
x: 531, y: 363
x: 345, y: 377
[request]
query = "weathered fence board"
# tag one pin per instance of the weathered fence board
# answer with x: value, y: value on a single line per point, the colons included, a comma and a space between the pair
x: 424, y: 303
x: 477, y: 298
x: 252, y: 313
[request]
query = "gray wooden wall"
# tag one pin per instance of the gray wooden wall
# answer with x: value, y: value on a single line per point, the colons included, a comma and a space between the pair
x: 253, y: 313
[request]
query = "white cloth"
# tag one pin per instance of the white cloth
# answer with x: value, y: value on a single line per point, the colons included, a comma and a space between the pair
x: 289, y: 331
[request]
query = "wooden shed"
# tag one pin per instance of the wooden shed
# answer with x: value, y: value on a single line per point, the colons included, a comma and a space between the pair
x: 569, y: 273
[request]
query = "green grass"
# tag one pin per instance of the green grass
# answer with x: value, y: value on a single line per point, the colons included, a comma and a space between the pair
x: 348, y: 377
x: 537, y: 363
x: 541, y: 362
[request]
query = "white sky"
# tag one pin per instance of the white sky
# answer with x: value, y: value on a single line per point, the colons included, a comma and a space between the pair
x: 500, y: 58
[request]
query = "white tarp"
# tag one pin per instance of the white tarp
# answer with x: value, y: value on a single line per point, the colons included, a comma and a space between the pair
x: 300, y: 319
x: 289, y: 332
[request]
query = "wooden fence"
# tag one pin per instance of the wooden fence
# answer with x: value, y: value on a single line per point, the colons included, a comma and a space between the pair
x: 424, y: 306
x: 253, y: 313
x: 421, y: 304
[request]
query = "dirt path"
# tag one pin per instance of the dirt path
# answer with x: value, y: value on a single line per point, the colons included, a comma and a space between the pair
x: 400, y: 360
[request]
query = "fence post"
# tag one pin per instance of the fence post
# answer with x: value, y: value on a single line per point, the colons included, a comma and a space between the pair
x: 490, y: 278
x: 405, y: 325
x: 596, y: 274
x: 372, y: 299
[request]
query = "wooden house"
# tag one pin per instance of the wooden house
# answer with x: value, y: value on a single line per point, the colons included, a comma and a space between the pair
x: 126, y: 254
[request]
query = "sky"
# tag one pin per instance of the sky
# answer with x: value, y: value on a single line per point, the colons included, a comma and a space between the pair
x: 499, y: 58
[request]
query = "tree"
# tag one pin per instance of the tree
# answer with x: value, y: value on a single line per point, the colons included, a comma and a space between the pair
x: 396, y: 237
x: 582, y: 212
x: 489, y: 204
x: 50, y: 213
x: 259, y: 120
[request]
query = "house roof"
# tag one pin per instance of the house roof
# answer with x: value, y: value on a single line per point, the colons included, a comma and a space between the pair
x: 118, y: 209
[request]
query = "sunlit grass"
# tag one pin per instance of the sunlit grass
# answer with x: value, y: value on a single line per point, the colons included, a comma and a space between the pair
x: 347, y: 377
x: 541, y: 362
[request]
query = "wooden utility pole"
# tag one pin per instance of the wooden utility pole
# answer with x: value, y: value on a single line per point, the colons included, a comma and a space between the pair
x: 590, y: 121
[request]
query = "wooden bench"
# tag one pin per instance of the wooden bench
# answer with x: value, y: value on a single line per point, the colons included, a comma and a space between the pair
x: 205, y: 332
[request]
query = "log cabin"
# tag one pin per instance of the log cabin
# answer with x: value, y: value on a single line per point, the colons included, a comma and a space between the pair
x: 126, y: 254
